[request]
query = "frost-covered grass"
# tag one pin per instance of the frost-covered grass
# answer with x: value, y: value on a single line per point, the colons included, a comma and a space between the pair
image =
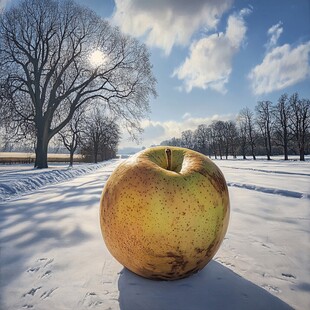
x: 53, y: 257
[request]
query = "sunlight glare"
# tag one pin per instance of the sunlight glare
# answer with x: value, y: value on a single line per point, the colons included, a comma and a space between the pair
x: 97, y: 58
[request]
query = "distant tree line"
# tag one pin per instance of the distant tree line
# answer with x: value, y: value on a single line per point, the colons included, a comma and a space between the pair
x: 281, y: 128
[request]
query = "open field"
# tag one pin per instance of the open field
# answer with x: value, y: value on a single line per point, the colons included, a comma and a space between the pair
x: 16, y: 157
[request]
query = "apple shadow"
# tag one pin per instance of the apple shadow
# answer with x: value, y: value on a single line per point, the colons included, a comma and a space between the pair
x: 215, y: 287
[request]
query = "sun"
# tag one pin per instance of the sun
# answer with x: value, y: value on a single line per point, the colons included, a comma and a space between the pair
x: 97, y: 58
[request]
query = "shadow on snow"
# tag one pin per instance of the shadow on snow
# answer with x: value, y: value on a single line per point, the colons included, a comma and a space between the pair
x: 215, y: 287
x: 39, y: 221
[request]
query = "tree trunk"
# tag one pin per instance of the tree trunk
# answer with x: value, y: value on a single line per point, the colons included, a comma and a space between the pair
x: 253, y: 153
x: 95, y: 154
x: 220, y: 151
x: 252, y: 147
x: 267, y: 146
x: 71, y: 158
x: 285, y: 150
x: 302, y: 154
x: 41, y: 151
x: 243, y: 150
x: 285, y: 143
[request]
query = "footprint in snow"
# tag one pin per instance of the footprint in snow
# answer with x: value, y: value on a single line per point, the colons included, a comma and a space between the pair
x: 32, y: 291
x: 46, y: 274
x: 33, y: 269
x: 288, y: 275
x: 48, y: 293
x: 91, y: 299
x: 42, y: 270
x: 40, y: 264
x: 48, y: 261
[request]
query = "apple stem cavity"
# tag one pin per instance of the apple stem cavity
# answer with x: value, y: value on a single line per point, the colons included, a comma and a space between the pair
x: 168, y: 157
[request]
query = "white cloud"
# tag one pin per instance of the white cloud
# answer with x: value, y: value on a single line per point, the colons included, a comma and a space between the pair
x: 209, y: 63
x: 274, y: 32
x: 165, y: 23
x: 156, y: 131
x: 281, y: 67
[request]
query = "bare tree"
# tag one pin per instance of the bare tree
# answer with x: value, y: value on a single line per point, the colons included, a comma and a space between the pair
x: 243, y: 139
x: 100, y: 135
x: 213, y: 140
x: 46, y: 47
x: 187, y: 139
x: 300, y: 121
x: 232, y: 138
x: 218, y: 128
x: 264, y: 122
x: 247, y: 117
x: 282, y: 132
x: 202, y: 134
x: 70, y: 135
x: 110, y: 139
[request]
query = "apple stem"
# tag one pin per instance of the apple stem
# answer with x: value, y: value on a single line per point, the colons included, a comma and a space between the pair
x: 168, y: 157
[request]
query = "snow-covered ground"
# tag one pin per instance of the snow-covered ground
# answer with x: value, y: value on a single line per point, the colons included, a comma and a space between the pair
x: 53, y: 256
x: 17, y: 180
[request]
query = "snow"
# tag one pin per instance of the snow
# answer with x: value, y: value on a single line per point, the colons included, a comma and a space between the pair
x: 53, y: 256
x: 16, y: 180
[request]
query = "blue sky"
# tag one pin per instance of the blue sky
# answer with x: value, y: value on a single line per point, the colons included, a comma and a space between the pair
x: 211, y: 58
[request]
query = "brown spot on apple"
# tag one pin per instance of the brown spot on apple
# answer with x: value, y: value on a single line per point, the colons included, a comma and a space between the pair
x: 199, y: 250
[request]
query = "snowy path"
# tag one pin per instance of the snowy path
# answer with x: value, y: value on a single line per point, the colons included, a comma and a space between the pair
x: 53, y: 257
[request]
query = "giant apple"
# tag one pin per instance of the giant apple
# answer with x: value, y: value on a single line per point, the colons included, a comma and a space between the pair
x: 164, y: 212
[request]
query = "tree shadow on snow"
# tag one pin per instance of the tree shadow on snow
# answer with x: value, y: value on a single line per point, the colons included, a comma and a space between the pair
x: 215, y: 287
x: 26, y: 223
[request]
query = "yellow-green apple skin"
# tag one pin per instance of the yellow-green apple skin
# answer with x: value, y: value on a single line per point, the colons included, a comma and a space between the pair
x: 161, y: 223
